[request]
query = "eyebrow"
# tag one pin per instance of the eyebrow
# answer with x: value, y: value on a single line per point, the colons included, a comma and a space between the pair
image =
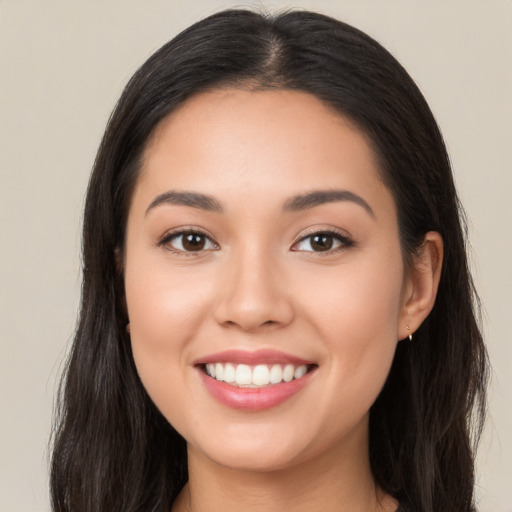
x: 294, y: 204
x: 192, y: 199
x: 319, y: 197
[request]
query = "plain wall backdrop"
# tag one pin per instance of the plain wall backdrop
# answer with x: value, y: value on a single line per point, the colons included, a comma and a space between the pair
x: 62, y: 67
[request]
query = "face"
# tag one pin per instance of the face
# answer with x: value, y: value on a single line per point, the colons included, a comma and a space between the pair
x: 263, y: 277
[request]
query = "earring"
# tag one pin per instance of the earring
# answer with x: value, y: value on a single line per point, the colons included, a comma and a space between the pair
x: 128, y: 327
x: 410, y: 334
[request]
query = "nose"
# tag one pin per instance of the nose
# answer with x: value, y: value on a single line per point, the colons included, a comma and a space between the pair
x: 252, y: 296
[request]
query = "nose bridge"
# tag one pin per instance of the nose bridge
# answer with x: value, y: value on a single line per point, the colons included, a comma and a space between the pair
x: 252, y: 293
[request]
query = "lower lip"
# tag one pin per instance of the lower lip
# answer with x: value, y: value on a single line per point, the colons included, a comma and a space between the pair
x: 253, y: 399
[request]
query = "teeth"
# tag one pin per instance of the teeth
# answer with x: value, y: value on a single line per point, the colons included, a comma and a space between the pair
x: 243, y: 374
x: 261, y: 375
x: 219, y: 371
x: 257, y: 376
x: 300, y: 372
x: 276, y: 374
x: 288, y: 373
x: 229, y: 373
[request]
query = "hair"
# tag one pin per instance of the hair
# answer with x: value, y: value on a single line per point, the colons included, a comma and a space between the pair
x: 112, y: 448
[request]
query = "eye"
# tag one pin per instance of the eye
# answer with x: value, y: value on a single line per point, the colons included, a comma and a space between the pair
x: 187, y: 242
x: 323, y: 241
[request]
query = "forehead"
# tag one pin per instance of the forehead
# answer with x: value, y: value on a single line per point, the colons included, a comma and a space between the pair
x: 266, y: 144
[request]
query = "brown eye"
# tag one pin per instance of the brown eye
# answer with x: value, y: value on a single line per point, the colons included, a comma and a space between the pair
x: 193, y: 242
x: 188, y: 241
x: 322, y: 242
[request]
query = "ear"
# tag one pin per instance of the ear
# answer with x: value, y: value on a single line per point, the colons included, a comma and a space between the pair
x: 421, y: 284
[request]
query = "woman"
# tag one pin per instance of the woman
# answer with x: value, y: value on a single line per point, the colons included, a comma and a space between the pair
x: 276, y: 308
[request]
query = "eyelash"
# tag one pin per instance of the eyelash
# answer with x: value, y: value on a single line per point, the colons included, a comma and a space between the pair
x: 344, y: 240
x: 165, y: 241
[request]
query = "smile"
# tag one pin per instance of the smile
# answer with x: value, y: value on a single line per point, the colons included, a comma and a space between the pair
x: 261, y: 375
x: 254, y: 381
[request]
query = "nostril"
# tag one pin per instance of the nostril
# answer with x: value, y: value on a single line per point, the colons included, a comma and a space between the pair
x: 250, y: 326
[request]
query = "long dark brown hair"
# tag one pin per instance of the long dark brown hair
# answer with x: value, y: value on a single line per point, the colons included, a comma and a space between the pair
x: 113, y: 450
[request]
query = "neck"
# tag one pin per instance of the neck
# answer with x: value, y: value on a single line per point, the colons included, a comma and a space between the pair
x: 340, y: 481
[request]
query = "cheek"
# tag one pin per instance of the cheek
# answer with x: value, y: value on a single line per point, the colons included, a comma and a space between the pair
x: 358, y: 302
x: 165, y: 310
x: 358, y: 320
x: 164, y: 302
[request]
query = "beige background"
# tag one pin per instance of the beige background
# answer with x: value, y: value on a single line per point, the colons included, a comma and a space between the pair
x: 62, y: 67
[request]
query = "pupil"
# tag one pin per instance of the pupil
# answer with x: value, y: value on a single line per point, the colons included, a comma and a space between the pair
x: 192, y: 242
x: 322, y: 242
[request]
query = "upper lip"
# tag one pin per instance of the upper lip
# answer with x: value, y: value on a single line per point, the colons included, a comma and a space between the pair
x: 265, y: 356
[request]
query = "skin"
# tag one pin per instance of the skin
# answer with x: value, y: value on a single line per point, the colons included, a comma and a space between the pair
x: 258, y: 284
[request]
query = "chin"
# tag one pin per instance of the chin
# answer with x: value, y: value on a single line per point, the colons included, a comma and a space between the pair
x: 259, y: 454
x: 254, y: 460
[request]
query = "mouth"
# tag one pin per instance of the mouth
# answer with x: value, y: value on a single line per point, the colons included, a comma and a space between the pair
x: 255, y: 376
x: 254, y: 381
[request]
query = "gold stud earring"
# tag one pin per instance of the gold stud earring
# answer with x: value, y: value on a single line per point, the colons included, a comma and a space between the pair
x: 410, y: 334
